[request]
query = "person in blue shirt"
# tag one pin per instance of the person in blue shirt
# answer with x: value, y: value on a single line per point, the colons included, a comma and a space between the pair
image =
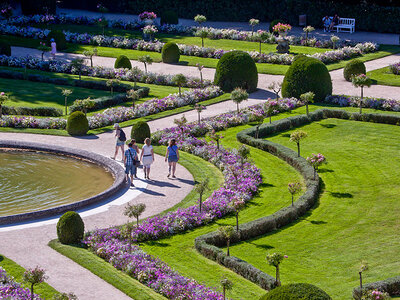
x: 172, y: 155
x: 129, y: 161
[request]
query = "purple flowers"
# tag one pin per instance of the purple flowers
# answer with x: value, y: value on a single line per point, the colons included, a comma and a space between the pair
x: 374, y: 103
x: 395, y: 68
x: 147, y: 15
x: 9, y: 289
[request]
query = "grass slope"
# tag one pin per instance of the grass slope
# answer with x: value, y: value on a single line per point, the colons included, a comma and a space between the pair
x: 383, y: 76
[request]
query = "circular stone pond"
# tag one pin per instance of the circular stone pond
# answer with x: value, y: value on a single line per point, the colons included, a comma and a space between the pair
x: 39, y: 181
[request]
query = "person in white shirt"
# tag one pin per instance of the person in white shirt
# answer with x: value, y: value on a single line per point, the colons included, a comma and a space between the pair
x: 147, y: 157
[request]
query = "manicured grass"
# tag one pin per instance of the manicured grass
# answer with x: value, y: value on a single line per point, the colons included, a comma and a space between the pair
x: 16, y: 271
x: 106, y: 271
x: 383, y: 76
x: 357, y: 215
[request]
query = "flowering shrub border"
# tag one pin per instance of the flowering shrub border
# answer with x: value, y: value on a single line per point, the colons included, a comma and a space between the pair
x: 368, y: 102
x: 10, y: 289
x: 395, y: 68
x: 390, y: 286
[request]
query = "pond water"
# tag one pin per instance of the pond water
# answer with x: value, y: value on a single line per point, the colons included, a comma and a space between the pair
x: 33, y: 181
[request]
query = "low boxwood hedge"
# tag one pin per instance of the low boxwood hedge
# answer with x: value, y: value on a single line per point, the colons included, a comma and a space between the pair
x: 32, y: 111
x: 390, y: 286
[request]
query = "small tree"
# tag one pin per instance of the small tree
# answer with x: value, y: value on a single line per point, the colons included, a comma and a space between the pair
x: 78, y: 64
x: 307, y: 98
x: 334, y: 40
x: 276, y: 88
x: 150, y: 30
x: 179, y: 80
x: 270, y: 107
x: 134, y: 96
x: 259, y: 119
x: 307, y: 30
x: 202, y: 33
x: 237, y: 205
x: 103, y: 23
x: 316, y: 160
x: 294, y: 188
x: 226, y: 285
x: 134, y: 211
x: 239, y: 95
x: 363, y: 267
x: 135, y: 73
x: 296, y: 137
x: 200, y: 68
x: 66, y: 93
x: 253, y: 23
x: 200, y: 188
x: 200, y: 19
x: 85, y: 104
x: 181, y: 122
x: 111, y: 83
x: 89, y: 55
x: 260, y: 37
x: 243, y: 152
x: 3, y: 99
x: 34, y: 276
x: 275, y: 260
x: 215, y: 137
x: 227, y: 233
x: 199, y: 108
x: 361, y: 81
x: 146, y: 60
x: 43, y: 48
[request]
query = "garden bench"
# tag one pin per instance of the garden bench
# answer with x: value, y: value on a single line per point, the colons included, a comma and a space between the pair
x: 346, y: 24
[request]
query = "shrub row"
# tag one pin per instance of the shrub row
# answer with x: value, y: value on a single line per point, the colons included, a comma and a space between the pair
x: 390, y: 286
x: 208, y: 244
x: 43, y: 111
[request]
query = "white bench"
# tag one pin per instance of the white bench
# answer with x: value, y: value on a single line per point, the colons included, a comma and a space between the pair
x: 346, y: 24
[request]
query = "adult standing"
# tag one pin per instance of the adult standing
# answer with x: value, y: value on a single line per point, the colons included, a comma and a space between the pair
x: 129, y: 161
x: 147, y: 157
x: 53, y: 48
x: 137, y: 162
x: 120, y: 141
x: 335, y: 22
x: 172, y: 155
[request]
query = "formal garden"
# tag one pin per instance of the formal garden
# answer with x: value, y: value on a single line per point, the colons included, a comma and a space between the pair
x: 294, y: 197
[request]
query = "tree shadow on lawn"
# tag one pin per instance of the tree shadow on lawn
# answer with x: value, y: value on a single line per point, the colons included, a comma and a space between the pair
x: 327, y: 125
x: 155, y: 243
x: 341, y: 195
x: 1, y: 258
x: 325, y: 171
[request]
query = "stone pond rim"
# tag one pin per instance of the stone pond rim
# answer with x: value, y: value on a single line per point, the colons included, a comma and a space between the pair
x: 116, y: 170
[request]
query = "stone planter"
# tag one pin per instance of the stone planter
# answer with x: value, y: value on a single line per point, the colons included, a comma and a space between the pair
x: 283, y: 43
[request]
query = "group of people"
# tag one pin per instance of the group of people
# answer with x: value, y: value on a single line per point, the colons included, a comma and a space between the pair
x: 330, y: 22
x: 133, y: 156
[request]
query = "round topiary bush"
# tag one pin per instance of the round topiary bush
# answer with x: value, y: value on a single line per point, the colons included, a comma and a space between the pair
x: 296, y: 291
x: 70, y: 228
x: 169, y: 17
x: 122, y: 62
x: 59, y: 38
x: 140, y: 131
x: 307, y: 74
x: 170, y: 53
x: 236, y: 69
x: 77, y: 123
x: 273, y: 23
x: 5, y: 48
x: 353, y: 67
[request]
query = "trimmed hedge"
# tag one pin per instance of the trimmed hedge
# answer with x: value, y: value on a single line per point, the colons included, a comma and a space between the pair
x: 140, y: 131
x: 208, y: 244
x: 390, y: 286
x: 77, y: 124
x: 307, y: 74
x: 297, y: 291
x: 170, y: 53
x: 122, y: 62
x: 236, y: 69
x: 5, y: 48
x: 354, y: 67
x: 169, y: 17
x: 43, y: 111
x: 59, y: 38
x: 70, y: 228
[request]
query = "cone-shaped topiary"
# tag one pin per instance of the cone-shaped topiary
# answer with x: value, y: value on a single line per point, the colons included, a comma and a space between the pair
x: 296, y: 291
x: 5, y: 48
x: 170, y: 53
x: 354, y: 67
x: 236, y: 69
x: 307, y: 74
x: 59, y: 38
x: 77, y: 123
x: 70, y: 228
x: 169, y: 17
x: 140, y: 131
x: 122, y: 62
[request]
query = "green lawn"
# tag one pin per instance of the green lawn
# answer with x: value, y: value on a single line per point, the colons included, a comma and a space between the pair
x: 357, y: 215
x: 16, y: 271
x: 383, y: 76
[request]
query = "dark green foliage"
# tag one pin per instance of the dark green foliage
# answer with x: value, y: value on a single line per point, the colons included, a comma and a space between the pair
x: 70, y: 228
x: 32, y: 111
x: 390, y: 286
x: 122, y: 62
x: 59, y: 38
x: 140, y: 131
x: 169, y: 17
x: 30, y: 7
x: 236, y: 69
x: 170, y: 53
x: 274, y: 22
x: 77, y: 124
x: 354, y: 67
x: 307, y: 74
x: 297, y: 291
x: 5, y: 48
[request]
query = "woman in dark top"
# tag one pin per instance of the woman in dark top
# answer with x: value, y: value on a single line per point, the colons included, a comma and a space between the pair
x: 172, y: 155
x: 335, y: 21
